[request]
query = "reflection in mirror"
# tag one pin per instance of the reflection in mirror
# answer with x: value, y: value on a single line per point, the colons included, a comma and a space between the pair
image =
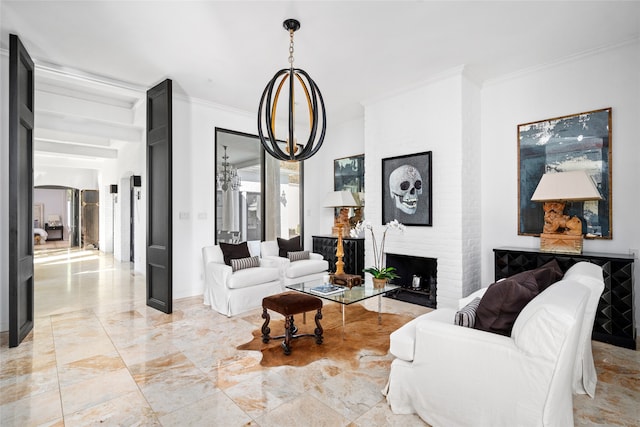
x: 283, y: 198
x: 239, y: 210
x: 257, y: 197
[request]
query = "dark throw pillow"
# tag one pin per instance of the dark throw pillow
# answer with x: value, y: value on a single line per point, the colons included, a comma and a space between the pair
x: 292, y: 245
x: 242, y: 263
x: 548, y: 274
x: 231, y: 251
x: 298, y: 255
x: 503, y: 301
x: 466, y: 316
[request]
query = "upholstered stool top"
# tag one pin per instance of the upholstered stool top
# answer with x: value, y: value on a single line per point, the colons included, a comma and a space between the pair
x: 288, y: 303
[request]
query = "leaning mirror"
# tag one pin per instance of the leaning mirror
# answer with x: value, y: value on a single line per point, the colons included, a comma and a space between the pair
x: 257, y: 196
x: 239, y: 187
x: 283, y: 198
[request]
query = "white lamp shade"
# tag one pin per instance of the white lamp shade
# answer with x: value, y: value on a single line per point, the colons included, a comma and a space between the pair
x: 566, y: 186
x: 339, y: 199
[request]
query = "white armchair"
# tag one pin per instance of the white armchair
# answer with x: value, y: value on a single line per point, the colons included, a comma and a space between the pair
x: 585, y: 377
x: 231, y: 292
x: 298, y: 271
x: 456, y: 376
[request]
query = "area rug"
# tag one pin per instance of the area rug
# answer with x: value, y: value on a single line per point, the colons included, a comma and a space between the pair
x: 362, y: 335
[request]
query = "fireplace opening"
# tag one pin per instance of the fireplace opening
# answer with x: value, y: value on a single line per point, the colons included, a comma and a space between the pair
x: 418, y: 279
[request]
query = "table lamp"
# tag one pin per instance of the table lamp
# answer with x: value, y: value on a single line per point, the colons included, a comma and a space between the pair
x: 562, y: 233
x: 343, y: 200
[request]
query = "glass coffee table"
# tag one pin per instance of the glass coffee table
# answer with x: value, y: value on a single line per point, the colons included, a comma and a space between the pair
x: 347, y: 296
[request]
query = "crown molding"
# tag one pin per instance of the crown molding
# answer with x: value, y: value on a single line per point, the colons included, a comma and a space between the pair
x: 452, y: 72
x: 565, y: 60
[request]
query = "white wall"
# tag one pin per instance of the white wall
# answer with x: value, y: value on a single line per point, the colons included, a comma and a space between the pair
x: 602, y: 79
x: 442, y: 117
x: 131, y: 161
x: 194, y: 126
x: 342, y: 140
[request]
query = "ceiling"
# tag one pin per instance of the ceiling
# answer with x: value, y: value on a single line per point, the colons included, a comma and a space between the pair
x: 357, y: 51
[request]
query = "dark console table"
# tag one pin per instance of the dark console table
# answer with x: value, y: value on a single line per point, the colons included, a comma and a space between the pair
x: 614, y: 322
x: 54, y: 231
x: 353, y: 252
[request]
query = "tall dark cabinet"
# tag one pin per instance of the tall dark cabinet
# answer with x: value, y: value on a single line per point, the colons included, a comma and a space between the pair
x: 614, y: 322
x: 353, y: 252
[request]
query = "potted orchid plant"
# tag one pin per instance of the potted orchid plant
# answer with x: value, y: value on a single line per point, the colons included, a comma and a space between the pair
x: 381, y: 275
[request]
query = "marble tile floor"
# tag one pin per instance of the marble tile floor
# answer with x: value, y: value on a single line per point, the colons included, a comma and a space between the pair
x: 99, y: 355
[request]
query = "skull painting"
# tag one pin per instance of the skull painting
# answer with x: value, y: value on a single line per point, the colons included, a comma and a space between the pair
x: 405, y: 185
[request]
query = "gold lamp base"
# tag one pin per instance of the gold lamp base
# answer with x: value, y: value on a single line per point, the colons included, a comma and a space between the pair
x: 339, y: 253
x: 561, y: 243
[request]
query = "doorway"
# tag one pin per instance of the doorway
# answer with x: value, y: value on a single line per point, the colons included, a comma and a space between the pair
x: 56, y: 217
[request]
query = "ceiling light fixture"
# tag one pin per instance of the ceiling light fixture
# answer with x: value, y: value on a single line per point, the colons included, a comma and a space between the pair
x: 229, y: 176
x: 269, y: 103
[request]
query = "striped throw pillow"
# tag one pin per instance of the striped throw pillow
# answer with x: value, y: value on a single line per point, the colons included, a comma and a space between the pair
x: 242, y: 263
x: 467, y: 315
x: 298, y: 255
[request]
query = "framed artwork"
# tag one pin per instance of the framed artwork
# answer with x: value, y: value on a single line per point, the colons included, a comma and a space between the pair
x: 348, y: 174
x: 576, y: 142
x: 406, y: 189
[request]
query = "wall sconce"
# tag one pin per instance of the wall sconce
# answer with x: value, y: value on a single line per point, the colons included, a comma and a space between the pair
x: 136, y: 181
x: 562, y: 233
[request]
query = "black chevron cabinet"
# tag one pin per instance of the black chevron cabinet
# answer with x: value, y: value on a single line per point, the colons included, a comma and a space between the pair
x: 353, y: 252
x: 614, y: 322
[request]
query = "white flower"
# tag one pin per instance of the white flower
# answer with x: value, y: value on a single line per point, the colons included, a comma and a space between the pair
x: 378, y: 254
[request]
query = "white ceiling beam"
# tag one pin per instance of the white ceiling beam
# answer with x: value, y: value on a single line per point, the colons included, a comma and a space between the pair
x: 41, y: 160
x: 73, y: 103
x: 94, y: 128
x: 74, y: 150
x: 117, y: 90
x: 74, y: 138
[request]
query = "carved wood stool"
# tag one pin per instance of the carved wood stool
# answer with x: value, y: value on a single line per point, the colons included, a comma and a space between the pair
x: 288, y: 304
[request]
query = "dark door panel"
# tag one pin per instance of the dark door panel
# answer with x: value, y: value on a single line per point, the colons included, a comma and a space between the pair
x: 159, y: 200
x: 21, y: 95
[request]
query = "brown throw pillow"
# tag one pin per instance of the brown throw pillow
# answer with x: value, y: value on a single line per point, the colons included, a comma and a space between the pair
x: 546, y: 275
x: 231, y: 251
x: 503, y: 301
x: 292, y: 245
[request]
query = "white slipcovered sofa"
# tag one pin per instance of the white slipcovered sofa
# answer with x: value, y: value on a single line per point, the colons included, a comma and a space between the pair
x: 457, y: 376
x: 297, y: 271
x: 231, y: 292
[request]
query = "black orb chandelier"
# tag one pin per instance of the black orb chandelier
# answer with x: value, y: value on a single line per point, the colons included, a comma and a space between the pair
x: 293, y: 151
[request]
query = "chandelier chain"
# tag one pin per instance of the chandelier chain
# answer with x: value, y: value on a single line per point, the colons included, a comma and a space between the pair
x: 291, y: 47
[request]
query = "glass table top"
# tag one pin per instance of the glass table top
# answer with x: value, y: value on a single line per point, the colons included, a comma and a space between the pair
x: 346, y: 296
